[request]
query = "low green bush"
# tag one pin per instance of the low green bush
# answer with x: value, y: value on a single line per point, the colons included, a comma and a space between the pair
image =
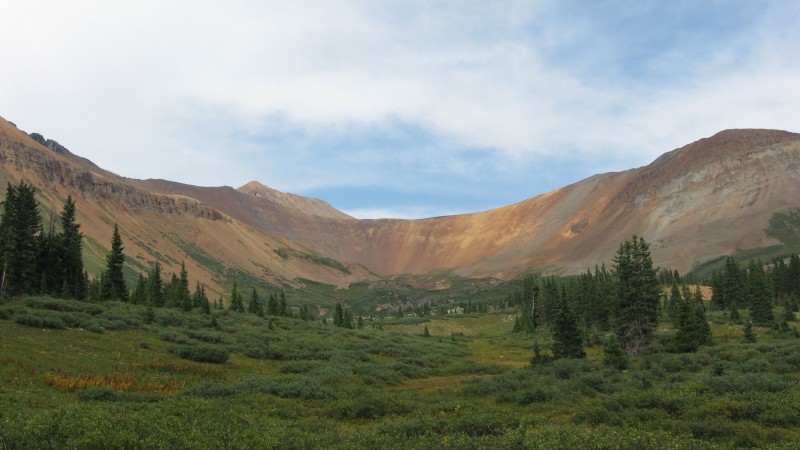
x: 39, y: 321
x: 209, y: 390
x: 202, y: 353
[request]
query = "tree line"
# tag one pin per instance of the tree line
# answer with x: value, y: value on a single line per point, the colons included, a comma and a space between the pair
x: 49, y: 262
x: 626, y: 301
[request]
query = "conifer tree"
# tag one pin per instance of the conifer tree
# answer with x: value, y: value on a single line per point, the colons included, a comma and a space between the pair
x: 749, y: 335
x: 155, y: 290
x: 760, y: 301
x: 273, y: 307
x: 256, y: 306
x: 114, y: 282
x: 20, y: 229
x: 638, y: 294
x: 348, y: 319
x: 200, y: 300
x: 71, y: 257
x: 693, y: 328
x: 237, y: 304
x: 613, y: 354
x: 184, y: 297
x: 139, y: 295
x: 338, y: 315
x: 568, y: 342
x: 283, y: 307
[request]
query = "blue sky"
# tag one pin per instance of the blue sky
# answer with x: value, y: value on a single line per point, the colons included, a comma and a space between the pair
x: 395, y: 108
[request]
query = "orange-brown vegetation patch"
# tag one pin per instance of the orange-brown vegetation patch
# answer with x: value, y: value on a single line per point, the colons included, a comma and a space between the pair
x: 71, y: 383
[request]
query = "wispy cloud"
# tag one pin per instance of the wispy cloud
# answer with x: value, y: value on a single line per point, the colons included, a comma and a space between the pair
x: 451, y: 102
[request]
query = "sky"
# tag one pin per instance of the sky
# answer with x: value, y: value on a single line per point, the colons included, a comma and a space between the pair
x: 402, y: 109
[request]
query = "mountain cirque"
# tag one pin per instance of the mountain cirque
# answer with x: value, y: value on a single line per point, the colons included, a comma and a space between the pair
x: 701, y: 201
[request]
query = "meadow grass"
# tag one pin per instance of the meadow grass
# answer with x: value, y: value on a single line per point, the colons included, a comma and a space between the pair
x: 129, y: 384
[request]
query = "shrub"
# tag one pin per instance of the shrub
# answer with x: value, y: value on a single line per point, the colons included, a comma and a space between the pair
x: 32, y: 320
x: 367, y: 406
x: 209, y: 390
x: 535, y: 395
x: 289, y: 387
x: 175, y: 337
x: 107, y: 394
x: 103, y: 394
x: 202, y: 353
x: 564, y: 369
x: 63, y: 305
x: 207, y: 336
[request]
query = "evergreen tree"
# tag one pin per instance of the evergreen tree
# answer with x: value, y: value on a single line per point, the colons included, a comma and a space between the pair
x: 71, y: 255
x: 734, y: 313
x: 273, y: 307
x: 568, y: 342
x: 115, y: 287
x: 675, y: 299
x: 760, y: 301
x: 256, y: 306
x: 184, y: 297
x: 638, y: 294
x: 348, y: 319
x: 693, y: 328
x: 338, y: 315
x: 283, y: 307
x: 749, y: 335
x: 237, y: 303
x: 20, y: 229
x: 139, y: 295
x: 613, y: 354
x: 200, y: 300
x: 171, y: 294
x: 155, y: 290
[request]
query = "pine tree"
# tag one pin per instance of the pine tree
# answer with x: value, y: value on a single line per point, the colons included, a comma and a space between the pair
x: 155, y: 289
x: 638, y: 294
x: 256, y: 306
x: 71, y: 255
x: 338, y: 315
x: 139, y: 295
x: 760, y: 301
x: 237, y: 304
x: 283, y: 307
x: 348, y: 319
x: 568, y: 342
x: 20, y: 230
x: 273, y: 308
x: 734, y: 313
x: 200, y: 300
x: 749, y: 335
x: 693, y: 328
x: 115, y: 287
x: 613, y: 354
x: 184, y: 297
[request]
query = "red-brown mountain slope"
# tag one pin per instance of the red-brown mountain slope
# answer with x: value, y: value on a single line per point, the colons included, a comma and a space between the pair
x: 703, y: 200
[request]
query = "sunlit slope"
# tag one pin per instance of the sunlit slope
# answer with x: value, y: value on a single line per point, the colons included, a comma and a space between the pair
x: 708, y: 198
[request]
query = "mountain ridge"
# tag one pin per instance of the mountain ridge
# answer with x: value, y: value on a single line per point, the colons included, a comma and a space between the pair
x: 702, y: 200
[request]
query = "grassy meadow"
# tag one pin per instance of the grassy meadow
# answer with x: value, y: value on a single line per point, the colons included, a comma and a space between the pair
x: 115, y: 375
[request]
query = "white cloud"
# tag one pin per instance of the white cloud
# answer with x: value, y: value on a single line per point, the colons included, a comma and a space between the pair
x: 213, y: 93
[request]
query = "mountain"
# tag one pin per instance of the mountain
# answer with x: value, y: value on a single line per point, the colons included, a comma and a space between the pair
x: 703, y: 200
